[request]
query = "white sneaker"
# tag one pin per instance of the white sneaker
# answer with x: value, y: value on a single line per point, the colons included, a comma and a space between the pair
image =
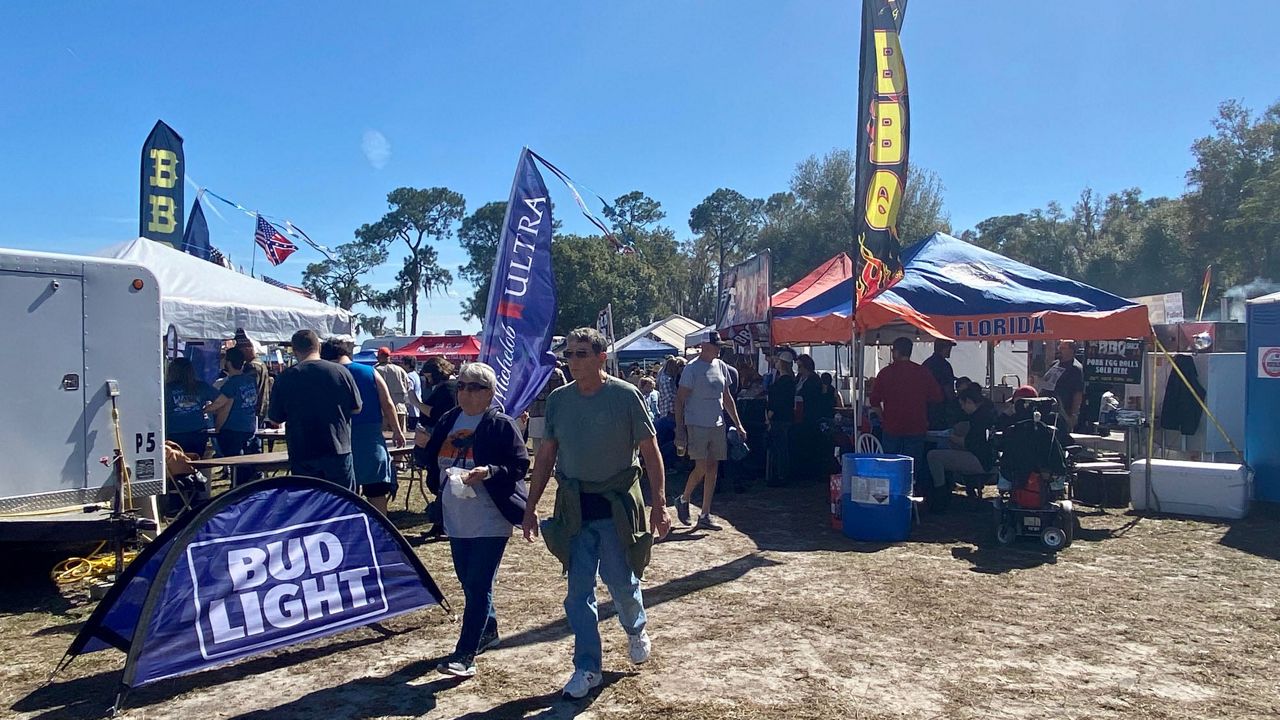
x: 581, y: 683
x: 640, y: 647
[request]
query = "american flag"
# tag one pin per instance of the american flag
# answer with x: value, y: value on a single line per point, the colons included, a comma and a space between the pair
x: 291, y: 288
x: 276, y: 246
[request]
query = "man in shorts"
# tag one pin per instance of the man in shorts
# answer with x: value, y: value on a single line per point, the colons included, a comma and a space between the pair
x: 701, y: 404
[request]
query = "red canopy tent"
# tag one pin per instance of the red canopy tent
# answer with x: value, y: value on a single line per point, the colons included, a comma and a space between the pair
x: 794, y: 322
x: 454, y: 348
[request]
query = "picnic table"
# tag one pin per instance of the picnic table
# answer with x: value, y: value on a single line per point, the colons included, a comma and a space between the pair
x: 270, y: 435
x: 269, y: 461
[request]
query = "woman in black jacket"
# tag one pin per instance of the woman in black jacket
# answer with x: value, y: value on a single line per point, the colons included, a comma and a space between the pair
x: 476, y: 463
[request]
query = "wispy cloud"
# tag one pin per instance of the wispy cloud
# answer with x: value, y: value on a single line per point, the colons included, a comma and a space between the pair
x: 376, y: 149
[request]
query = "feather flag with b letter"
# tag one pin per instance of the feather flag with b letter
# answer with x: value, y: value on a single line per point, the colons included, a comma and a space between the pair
x: 160, y: 211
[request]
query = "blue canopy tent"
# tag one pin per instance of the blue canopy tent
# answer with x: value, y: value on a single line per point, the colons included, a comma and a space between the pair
x: 951, y: 289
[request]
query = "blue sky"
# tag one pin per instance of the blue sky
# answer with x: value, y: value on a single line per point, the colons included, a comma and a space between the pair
x: 1013, y: 104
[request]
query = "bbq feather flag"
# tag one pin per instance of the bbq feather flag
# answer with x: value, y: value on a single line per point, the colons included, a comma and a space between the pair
x: 277, y: 247
x: 884, y: 127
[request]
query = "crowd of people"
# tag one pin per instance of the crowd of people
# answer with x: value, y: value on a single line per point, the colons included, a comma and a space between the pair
x: 588, y: 427
x: 911, y: 399
x: 599, y: 435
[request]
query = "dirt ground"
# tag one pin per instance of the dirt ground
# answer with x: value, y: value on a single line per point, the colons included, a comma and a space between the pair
x: 776, y: 616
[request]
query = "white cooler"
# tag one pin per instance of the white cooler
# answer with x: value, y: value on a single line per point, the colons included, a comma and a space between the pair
x: 1181, y: 487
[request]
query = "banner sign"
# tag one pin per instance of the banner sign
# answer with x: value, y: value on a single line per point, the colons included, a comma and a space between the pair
x: 1164, y: 309
x: 1113, y: 362
x: 604, y: 324
x: 521, y: 313
x: 744, y: 293
x: 1269, y: 363
x: 882, y: 152
x: 998, y: 327
x: 195, y: 241
x: 267, y: 565
x: 163, y: 168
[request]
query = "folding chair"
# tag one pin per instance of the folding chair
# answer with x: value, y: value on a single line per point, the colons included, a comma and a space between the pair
x: 869, y: 444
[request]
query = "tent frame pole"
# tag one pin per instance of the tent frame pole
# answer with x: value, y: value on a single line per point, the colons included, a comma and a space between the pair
x: 855, y: 351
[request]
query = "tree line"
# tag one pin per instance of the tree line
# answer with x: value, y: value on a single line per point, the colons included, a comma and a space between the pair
x: 1123, y: 242
x: 1229, y: 217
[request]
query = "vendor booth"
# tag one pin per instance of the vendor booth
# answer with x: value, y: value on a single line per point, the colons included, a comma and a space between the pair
x: 670, y: 331
x: 951, y: 289
x: 203, y: 301
x: 454, y: 348
x: 645, y: 351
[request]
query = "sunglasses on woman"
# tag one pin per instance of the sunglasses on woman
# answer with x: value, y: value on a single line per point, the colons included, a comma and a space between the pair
x: 473, y: 386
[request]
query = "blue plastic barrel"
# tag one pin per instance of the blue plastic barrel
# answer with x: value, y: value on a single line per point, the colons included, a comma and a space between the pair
x: 876, y: 503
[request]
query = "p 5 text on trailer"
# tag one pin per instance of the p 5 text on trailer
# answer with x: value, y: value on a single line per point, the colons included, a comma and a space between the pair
x: 73, y: 324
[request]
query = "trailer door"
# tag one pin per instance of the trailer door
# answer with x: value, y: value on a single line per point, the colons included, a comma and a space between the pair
x: 42, y: 413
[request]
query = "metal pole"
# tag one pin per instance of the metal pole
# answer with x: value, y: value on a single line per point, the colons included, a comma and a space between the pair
x: 991, y: 363
x: 856, y: 351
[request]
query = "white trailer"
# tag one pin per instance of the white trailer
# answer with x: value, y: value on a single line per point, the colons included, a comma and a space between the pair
x: 75, y: 326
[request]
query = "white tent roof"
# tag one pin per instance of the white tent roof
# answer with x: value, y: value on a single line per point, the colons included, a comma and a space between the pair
x: 208, y: 302
x: 671, y: 330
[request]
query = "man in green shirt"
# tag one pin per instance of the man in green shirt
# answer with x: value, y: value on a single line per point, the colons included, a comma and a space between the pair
x: 594, y: 426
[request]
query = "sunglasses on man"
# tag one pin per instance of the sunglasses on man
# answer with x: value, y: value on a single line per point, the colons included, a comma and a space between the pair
x: 473, y: 386
x: 579, y: 354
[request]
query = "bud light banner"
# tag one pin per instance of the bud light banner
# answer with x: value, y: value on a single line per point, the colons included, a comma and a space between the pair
x: 522, y: 296
x: 160, y: 216
x: 267, y: 565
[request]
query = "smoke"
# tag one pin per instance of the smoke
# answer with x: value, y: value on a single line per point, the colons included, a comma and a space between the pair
x: 1237, y: 296
x: 1255, y: 288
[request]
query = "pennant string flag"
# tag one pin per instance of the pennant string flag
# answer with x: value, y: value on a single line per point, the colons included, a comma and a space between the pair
x: 288, y: 228
x: 618, y: 245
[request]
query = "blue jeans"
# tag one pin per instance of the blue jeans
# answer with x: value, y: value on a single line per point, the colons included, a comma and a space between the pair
x: 233, y: 443
x: 475, y: 562
x: 597, y: 548
x: 336, y: 469
x: 909, y: 445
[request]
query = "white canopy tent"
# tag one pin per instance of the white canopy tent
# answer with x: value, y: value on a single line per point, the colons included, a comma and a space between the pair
x: 203, y: 301
x: 670, y: 330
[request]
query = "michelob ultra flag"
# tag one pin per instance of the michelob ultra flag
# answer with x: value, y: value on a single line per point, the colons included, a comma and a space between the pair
x: 516, y: 341
x: 883, y: 131
x: 160, y: 211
